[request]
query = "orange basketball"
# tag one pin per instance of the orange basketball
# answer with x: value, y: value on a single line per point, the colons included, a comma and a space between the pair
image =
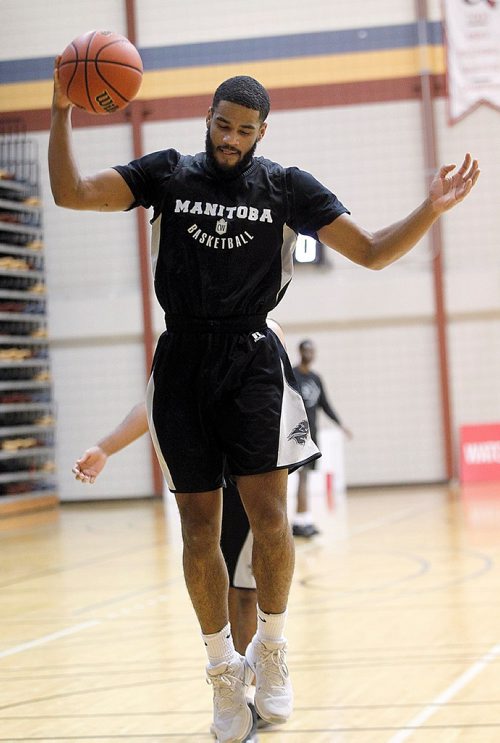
x: 100, y: 71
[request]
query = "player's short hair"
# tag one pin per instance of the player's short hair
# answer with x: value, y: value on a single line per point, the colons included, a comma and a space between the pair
x: 245, y: 91
x: 305, y: 342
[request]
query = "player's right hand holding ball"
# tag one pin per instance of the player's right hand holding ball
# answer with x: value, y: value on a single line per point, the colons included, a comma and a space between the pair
x: 59, y: 100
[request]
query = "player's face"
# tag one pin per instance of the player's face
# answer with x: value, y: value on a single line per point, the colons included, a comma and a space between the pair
x: 233, y: 132
x: 307, y: 353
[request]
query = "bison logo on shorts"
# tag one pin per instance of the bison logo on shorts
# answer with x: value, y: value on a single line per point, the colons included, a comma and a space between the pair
x: 300, y: 433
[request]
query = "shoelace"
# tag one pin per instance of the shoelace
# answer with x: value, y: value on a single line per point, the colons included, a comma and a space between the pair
x: 223, y: 690
x: 274, y: 666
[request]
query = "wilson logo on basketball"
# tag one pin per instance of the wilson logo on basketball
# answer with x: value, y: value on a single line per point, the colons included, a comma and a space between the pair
x: 105, y: 102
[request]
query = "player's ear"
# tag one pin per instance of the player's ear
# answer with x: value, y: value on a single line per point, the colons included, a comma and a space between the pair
x: 209, y: 116
x: 262, y: 131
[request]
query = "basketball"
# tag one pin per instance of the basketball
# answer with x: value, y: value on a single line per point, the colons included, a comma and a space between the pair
x: 100, y: 71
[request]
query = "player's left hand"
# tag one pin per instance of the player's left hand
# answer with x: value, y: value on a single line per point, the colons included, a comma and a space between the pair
x: 447, y: 189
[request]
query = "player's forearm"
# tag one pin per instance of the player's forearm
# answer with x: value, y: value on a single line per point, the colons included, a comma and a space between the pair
x: 134, y: 425
x: 333, y: 416
x: 391, y: 243
x: 65, y: 178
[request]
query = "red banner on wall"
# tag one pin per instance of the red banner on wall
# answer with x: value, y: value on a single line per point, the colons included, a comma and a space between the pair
x: 480, y: 453
x: 472, y: 32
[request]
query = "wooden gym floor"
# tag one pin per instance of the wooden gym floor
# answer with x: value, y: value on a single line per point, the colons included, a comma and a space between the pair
x: 394, y: 626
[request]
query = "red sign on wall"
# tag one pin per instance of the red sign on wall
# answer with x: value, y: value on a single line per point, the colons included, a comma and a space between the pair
x: 480, y: 453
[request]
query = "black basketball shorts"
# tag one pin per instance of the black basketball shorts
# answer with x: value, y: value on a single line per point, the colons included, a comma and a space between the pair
x: 222, y: 400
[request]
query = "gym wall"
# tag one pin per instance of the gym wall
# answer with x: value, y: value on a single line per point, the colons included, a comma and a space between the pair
x: 343, y: 77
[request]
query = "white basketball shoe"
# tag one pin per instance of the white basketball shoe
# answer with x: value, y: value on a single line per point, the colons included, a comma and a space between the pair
x: 232, y: 716
x: 273, y: 688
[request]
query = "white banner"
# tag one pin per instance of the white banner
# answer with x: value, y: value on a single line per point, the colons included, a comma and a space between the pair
x: 473, y: 51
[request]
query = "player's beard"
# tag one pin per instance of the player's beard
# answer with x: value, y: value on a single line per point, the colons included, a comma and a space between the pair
x: 232, y: 171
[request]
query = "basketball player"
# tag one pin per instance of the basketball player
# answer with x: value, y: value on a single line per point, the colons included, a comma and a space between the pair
x: 313, y: 393
x: 224, y: 228
x: 236, y: 537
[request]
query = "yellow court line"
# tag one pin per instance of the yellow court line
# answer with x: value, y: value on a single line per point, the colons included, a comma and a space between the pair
x: 282, y: 73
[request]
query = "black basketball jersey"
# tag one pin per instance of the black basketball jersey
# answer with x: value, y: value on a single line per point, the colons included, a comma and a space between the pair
x: 223, y: 247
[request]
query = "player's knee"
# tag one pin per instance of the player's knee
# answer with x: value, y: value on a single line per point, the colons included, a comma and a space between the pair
x: 200, y: 536
x: 247, y: 599
x: 269, y: 522
x: 198, y: 545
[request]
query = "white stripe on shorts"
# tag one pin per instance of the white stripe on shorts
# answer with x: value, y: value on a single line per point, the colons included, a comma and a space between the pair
x: 150, y: 390
x: 293, y: 447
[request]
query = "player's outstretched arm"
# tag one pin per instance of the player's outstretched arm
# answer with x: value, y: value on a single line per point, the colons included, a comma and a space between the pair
x: 93, y: 460
x: 90, y: 464
x: 104, y: 191
x: 378, y: 249
x: 325, y: 405
x: 347, y: 431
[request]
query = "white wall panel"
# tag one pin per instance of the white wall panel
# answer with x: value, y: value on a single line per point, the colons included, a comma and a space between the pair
x: 475, y: 363
x: 37, y: 29
x: 95, y: 386
x: 435, y: 10
x: 471, y: 232
x: 163, y: 23
x: 383, y: 382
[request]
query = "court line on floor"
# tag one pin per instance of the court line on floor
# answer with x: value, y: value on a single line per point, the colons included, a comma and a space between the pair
x: 49, y: 638
x: 396, y: 516
x: 82, y: 626
x: 356, y: 531
x: 95, y: 622
x: 416, y: 722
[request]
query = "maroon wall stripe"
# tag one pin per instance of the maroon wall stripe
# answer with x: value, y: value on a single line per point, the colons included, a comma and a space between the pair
x: 282, y: 99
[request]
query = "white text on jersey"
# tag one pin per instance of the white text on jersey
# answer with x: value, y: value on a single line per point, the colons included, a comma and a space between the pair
x: 219, y: 210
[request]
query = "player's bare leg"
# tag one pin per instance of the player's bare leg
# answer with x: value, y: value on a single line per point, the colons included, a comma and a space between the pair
x: 203, y: 563
x: 264, y: 498
x: 207, y: 582
x: 242, y: 608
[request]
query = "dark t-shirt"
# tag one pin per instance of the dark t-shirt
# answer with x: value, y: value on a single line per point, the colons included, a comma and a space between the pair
x: 314, y: 396
x: 223, y: 248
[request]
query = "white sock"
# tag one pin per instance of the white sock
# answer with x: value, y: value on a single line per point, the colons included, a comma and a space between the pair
x: 220, y: 647
x: 270, y: 626
x: 303, y: 519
